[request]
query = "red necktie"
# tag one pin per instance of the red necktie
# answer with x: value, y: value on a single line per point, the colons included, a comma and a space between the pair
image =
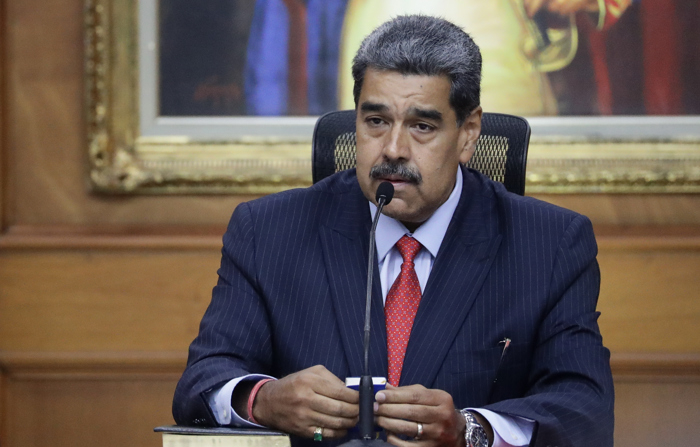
x: 401, y: 306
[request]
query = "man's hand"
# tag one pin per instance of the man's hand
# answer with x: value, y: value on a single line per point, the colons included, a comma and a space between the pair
x: 303, y: 401
x: 400, y: 409
x: 561, y: 7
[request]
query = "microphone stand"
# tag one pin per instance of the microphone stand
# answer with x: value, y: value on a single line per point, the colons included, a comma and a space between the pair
x: 385, y: 192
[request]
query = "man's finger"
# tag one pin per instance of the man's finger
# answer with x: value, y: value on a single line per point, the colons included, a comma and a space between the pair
x: 402, y: 426
x: 337, y: 392
x: 413, y: 394
x: 331, y: 386
x: 409, y: 412
x: 332, y: 407
x: 332, y: 422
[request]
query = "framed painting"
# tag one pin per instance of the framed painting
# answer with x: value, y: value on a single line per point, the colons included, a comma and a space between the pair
x: 222, y: 96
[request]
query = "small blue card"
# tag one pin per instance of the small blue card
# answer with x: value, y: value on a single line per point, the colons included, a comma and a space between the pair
x: 354, y: 383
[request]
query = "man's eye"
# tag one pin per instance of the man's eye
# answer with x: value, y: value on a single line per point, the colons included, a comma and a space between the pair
x: 374, y: 121
x: 423, y: 127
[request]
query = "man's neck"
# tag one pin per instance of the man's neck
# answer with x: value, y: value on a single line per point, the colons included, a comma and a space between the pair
x: 429, y: 233
x: 411, y: 226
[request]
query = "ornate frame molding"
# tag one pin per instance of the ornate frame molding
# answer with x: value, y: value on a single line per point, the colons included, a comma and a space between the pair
x: 558, y: 165
x: 122, y: 161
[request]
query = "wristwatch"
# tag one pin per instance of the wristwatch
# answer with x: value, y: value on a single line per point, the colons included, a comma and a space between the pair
x: 475, y: 435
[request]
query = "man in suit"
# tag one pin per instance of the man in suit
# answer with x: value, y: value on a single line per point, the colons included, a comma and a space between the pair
x: 484, y: 302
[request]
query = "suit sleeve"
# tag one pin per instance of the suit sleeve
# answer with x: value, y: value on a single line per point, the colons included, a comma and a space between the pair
x: 570, y: 393
x: 234, y: 335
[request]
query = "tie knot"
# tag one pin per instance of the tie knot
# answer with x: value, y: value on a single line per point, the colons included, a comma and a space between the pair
x: 408, y: 247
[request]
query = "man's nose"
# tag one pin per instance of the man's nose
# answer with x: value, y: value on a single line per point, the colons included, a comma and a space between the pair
x: 397, y: 144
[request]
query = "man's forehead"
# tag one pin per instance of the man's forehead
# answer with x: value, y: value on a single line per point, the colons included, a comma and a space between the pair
x: 374, y: 74
x: 426, y: 96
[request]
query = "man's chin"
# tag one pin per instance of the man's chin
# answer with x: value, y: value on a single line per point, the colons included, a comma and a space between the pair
x: 398, y: 211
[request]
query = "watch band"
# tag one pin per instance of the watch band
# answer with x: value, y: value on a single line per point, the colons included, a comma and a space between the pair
x: 475, y: 435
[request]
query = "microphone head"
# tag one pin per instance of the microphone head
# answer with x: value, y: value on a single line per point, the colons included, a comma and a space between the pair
x: 386, y: 190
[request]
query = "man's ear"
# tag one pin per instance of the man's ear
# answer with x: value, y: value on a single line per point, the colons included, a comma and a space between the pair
x: 469, y: 133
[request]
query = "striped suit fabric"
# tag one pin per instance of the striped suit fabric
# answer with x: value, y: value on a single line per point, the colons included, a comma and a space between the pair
x: 290, y: 295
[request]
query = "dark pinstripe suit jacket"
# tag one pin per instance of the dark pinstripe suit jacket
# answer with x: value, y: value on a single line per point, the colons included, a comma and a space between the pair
x: 290, y: 295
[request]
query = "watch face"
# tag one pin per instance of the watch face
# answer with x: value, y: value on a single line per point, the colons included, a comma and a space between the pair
x: 477, y: 438
x: 475, y: 435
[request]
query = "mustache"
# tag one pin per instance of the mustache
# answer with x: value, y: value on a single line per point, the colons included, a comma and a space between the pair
x: 401, y: 170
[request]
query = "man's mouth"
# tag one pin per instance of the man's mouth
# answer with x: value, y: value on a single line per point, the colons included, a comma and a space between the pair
x: 394, y: 179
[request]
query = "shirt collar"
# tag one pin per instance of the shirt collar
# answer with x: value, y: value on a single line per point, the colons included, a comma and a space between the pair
x: 430, y: 234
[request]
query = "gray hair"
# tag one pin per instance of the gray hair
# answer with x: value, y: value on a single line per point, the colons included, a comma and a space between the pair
x: 424, y: 45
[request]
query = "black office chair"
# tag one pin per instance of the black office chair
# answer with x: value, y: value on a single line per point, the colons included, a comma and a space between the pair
x: 501, y: 151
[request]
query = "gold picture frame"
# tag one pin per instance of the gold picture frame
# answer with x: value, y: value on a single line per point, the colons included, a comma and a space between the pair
x: 122, y: 161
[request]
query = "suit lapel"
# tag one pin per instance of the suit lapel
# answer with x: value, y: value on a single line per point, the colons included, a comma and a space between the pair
x: 345, y: 241
x: 464, y: 259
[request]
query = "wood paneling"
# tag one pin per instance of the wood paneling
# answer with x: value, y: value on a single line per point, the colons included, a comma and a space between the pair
x: 3, y: 405
x: 3, y: 132
x: 112, y: 237
x: 148, y: 292
x: 650, y: 367
x: 95, y: 300
x: 649, y: 300
x: 657, y: 413
x: 117, y: 412
x: 632, y: 209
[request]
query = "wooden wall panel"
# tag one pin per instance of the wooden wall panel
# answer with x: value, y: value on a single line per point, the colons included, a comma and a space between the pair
x: 103, y: 300
x: 3, y: 405
x: 3, y: 114
x: 110, y: 413
x: 657, y: 413
x: 627, y: 210
x: 649, y: 300
x: 152, y: 299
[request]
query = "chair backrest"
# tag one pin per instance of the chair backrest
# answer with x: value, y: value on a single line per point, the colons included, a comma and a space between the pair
x: 501, y: 151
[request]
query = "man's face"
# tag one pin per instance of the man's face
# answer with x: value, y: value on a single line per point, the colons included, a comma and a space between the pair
x: 407, y: 134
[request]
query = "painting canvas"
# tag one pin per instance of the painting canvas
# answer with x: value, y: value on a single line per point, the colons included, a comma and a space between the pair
x: 293, y: 57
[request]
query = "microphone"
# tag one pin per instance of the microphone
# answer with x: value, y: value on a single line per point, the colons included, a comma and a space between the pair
x: 385, y: 192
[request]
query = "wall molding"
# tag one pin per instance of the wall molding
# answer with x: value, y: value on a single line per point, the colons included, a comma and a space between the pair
x: 627, y: 366
x: 18, y: 237
x: 53, y: 237
x: 170, y: 364
x: 104, y: 365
